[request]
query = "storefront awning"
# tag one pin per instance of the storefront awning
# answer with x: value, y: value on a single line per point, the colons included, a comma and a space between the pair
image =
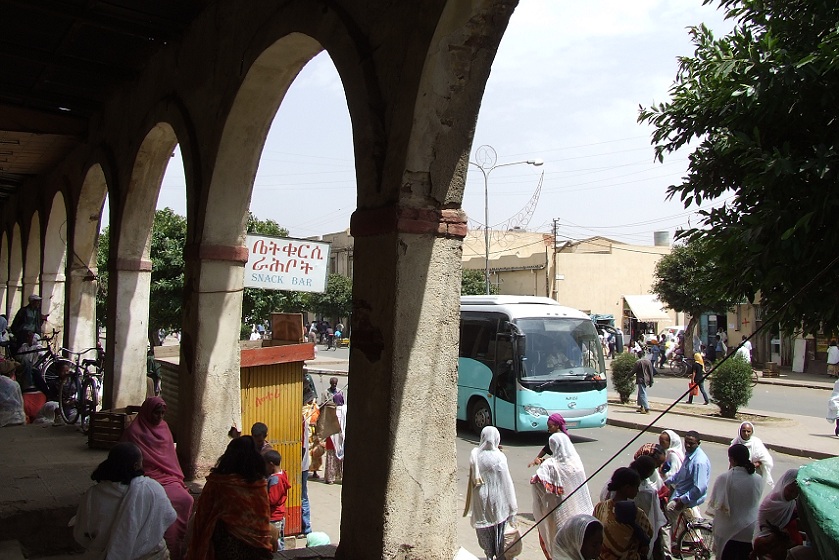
x: 647, y: 308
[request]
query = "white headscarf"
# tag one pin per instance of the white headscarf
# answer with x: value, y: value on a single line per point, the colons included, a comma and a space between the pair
x: 833, y: 403
x: 675, y: 454
x: 757, y: 452
x: 733, y: 503
x: 775, y: 510
x: 563, y: 461
x: 569, y: 538
x: 492, y: 496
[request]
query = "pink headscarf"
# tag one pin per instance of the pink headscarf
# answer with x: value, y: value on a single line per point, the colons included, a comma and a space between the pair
x: 160, y: 461
x: 556, y: 418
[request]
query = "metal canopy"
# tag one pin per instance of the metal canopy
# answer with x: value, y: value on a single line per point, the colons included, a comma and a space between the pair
x: 60, y: 60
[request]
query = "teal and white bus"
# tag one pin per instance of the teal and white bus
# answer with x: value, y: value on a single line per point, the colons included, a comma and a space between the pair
x: 522, y: 358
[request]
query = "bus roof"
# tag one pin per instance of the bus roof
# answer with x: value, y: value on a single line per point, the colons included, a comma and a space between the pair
x: 520, y: 306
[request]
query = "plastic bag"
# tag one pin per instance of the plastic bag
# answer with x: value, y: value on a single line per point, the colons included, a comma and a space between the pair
x: 11, y: 403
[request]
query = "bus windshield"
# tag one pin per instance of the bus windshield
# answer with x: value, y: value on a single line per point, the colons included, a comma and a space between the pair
x: 560, y: 348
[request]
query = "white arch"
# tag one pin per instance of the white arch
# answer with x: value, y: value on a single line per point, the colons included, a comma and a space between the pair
x: 14, y: 297
x: 32, y: 260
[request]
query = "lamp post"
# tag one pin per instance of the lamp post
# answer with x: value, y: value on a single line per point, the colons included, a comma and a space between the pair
x: 486, y: 159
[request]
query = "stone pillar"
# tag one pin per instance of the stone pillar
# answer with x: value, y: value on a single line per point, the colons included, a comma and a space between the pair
x: 400, y: 468
x: 208, y: 391
x: 52, y: 287
x: 31, y: 285
x: 14, y: 298
x: 128, y: 319
x: 81, y: 311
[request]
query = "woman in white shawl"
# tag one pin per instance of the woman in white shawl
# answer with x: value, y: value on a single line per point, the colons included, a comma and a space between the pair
x: 334, y: 469
x: 833, y: 408
x: 757, y: 451
x: 733, y: 503
x: 554, y: 482
x: 126, y: 513
x: 581, y: 538
x: 777, y: 522
x: 674, y: 453
x: 490, y: 495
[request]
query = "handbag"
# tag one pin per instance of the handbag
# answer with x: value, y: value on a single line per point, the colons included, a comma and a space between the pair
x: 512, y: 540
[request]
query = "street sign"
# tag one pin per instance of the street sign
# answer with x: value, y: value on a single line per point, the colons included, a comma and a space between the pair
x: 282, y: 263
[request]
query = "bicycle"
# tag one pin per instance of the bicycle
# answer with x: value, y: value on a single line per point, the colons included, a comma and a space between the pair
x: 696, y: 540
x: 91, y: 389
x: 70, y: 399
x: 678, y: 365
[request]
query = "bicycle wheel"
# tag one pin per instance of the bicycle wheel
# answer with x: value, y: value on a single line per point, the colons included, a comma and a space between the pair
x: 681, y: 369
x: 69, y: 399
x: 90, y: 403
x: 697, y: 542
x: 755, y: 378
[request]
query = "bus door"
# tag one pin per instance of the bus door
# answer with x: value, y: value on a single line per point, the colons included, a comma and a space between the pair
x: 503, y: 386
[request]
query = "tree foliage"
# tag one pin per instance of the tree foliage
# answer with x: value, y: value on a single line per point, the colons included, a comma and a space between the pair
x: 473, y: 283
x: 336, y: 301
x: 731, y: 385
x: 623, y: 380
x: 686, y: 282
x: 760, y: 105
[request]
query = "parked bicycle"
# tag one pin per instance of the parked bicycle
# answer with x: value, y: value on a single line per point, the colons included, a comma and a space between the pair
x: 91, y: 395
x: 70, y: 399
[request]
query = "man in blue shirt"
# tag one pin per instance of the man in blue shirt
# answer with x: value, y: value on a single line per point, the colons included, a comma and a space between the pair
x: 689, y: 486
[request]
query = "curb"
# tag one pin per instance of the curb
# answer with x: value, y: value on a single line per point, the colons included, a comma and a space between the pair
x: 804, y: 385
x: 807, y: 453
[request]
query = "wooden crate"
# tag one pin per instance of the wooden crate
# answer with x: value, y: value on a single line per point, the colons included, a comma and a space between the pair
x: 106, y: 426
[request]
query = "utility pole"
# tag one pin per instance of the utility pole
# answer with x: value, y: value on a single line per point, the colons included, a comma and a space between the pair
x: 555, y: 228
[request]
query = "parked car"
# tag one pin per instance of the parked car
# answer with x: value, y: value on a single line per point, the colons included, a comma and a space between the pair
x: 671, y: 331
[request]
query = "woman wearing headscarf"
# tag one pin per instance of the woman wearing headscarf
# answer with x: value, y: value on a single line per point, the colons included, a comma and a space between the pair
x: 334, y: 469
x: 150, y: 432
x: 626, y: 528
x: 232, y: 516
x: 490, y: 495
x: 833, y: 408
x: 733, y: 503
x: 674, y: 453
x: 758, y: 453
x: 777, y: 519
x: 125, y: 514
x: 581, y: 538
x: 560, y: 477
x: 556, y: 423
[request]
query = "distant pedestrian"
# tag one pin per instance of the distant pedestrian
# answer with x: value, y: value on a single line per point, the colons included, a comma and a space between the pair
x: 746, y: 350
x: 697, y: 378
x: 721, y: 349
x: 490, y: 496
x: 833, y: 408
x: 643, y: 370
x: 334, y: 469
x: 833, y: 359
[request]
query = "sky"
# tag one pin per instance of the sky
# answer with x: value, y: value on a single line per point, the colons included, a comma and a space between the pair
x: 565, y: 88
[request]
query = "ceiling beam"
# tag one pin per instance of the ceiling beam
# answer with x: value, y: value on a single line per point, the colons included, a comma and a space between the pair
x: 22, y: 119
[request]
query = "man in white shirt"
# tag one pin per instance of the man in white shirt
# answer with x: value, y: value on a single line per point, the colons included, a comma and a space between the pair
x: 746, y: 350
x: 833, y: 359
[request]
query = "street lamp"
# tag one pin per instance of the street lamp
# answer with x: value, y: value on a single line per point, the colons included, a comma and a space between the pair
x: 486, y: 159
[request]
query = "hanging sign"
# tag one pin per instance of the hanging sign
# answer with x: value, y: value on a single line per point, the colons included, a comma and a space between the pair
x: 281, y: 263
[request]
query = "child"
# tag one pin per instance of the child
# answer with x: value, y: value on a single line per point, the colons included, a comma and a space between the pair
x: 259, y: 433
x: 278, y: 486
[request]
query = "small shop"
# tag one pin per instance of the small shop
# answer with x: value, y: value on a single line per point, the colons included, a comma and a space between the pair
x: 643, y: 317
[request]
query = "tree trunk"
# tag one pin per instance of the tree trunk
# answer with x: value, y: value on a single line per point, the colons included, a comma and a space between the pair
x: 691, y: 326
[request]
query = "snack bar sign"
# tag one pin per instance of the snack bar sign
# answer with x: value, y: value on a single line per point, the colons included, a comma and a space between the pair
x: 280, y: 263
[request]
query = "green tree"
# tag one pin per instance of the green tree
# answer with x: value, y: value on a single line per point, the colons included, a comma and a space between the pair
x: 336, y: 301
x: 473, y: 283
x: 758, y: 108
x: 623, y: 380
x: 731, y: 385
x: 685, y: 281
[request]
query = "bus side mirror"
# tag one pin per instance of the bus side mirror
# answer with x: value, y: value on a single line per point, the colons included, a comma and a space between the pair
x: 521, y: 346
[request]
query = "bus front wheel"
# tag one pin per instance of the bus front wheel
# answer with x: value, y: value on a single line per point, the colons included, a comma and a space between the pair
x: 479, y: 416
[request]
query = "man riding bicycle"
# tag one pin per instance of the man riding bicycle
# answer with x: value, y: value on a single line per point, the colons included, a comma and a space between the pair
x: 689, y: 487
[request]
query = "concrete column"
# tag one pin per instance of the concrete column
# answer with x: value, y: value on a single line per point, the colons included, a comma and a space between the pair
x: 127, y: 333
x: 81, y: 311
x: 14, y: 298
x: 31, y: 285
x: 400, y: 465
x: 53, y: 291
x: 208, y: 392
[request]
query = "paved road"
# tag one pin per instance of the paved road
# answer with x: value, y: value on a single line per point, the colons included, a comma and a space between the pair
x: 772, y: 398
x: 595, y: 446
